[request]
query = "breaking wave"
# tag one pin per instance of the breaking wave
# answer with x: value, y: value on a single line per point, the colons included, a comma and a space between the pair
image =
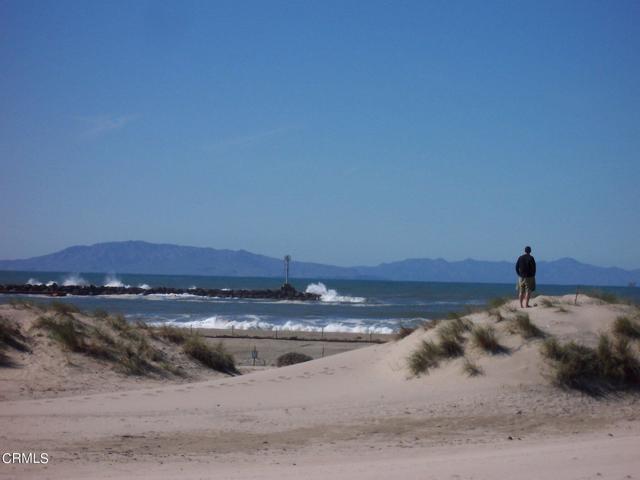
x: 34, y: 281
x: 255, y: 322
x: 144, y: 286
x: 73, y: 280
x: 331, y: 295
x: 113, y: 281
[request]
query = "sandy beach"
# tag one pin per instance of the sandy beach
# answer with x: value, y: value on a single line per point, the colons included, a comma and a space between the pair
x: 357, y: 412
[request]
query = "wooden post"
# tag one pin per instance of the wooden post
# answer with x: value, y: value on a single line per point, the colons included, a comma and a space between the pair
x: 575, y: 302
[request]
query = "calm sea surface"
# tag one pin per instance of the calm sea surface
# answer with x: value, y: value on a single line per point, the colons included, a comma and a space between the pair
x: 346, y: 305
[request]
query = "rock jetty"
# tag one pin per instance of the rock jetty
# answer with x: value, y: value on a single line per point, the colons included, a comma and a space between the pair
x: 286, y: 292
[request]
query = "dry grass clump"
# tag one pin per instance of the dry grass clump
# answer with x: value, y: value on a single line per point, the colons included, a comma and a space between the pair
x: 612, y: 365
x: 606, y: 297
x: 11, y: 336
x: 522, y: 324
x: 497, y: 303
x: 65, y: 330
x: 117, y: 322
x: 216, y: 358
x: 100, y: 314
x: 626, y: 327
x: 431, y: 324
x: 471, y: 368
x: 451, y: 337
x: 128, y: 348
x: 404, y: 331
x: 63, y: 308
x: 485, y: 337
x: 172, y: 334
x: 545, y: 302
x: 497, y: 314
x: 423, y: 358
x: 291, y: 358
x: 28, y: 304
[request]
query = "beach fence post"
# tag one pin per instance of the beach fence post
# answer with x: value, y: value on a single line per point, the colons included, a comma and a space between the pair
x: 254, y: 355
x: 323, y: 350
x: 370, y: 334
x: 276, y: 330
x: 322, y: 333
x: 232, y: 330
x: 575, y: 301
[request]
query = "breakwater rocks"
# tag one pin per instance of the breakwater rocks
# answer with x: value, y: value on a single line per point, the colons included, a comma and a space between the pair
x: 286, y: 292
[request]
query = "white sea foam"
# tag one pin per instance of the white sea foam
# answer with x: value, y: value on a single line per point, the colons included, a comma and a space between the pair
x: 50, y: 282
x: 255, y: 322
x: 113, y: 281
x: 34, y: 281
x: 144, y: 286
x: 331, y: 295
x: 73, y: 280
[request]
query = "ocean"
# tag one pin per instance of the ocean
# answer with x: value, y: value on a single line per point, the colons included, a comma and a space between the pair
x: 361, y: 306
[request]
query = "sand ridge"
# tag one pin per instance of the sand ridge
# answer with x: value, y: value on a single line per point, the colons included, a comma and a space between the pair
x: 359, y: 414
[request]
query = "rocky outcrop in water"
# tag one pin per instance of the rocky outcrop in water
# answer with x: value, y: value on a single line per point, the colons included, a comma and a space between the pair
x: 286, y: 292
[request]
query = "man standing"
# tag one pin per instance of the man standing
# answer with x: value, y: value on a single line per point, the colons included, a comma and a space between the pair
x: 526, y: 270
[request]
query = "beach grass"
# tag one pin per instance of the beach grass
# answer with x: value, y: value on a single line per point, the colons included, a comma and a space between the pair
x: 606, y: 297
x: 522, y: 324
x: 471, y: 368
x: 172, y: 334
x: 485, y: 338
x: 498, y: 302
x: 216, y: 358
x: 626, y: 327
x: 63, y: 308
x: 11, y: 336
x: 612, y: 365
x: 424, y: 357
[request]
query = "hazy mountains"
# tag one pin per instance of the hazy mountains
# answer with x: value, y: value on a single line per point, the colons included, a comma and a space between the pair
x: 150, y: 258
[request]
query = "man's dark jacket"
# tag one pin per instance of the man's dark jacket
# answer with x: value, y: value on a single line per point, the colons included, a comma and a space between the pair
x: 526, y: 266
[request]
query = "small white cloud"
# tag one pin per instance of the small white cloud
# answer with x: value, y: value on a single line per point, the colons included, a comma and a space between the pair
x: 245, y: 140
x: 99, y: 125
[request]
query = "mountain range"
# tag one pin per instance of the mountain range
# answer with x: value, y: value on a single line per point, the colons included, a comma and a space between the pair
x: 151, y: 258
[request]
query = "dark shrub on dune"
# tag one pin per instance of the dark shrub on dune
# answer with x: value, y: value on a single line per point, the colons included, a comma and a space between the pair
x: 292, y: 358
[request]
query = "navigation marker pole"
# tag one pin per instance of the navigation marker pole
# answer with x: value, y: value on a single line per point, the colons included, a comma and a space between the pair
x: 287, y: 260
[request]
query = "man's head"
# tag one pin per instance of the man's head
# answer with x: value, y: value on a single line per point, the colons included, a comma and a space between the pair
x: 527, y: 249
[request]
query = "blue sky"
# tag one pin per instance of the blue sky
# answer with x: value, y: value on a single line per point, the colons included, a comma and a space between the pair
x: 340, y: 132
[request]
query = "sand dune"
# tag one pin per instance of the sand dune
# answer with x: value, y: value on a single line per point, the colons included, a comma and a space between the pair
x: 359, y: 414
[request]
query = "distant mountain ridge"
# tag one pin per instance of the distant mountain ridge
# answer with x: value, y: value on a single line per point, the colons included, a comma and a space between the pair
x: 151, y: 258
